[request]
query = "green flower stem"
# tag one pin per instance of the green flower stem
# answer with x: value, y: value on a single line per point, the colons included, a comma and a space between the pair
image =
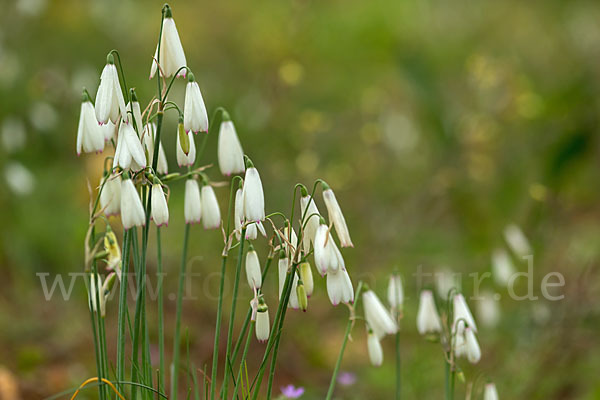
x: 122, y: 309
x: 176, y: 339
x: 398, y: 365
x: 243, y: 360
x: 99, y: 368
x: 236, y: 283
x: 161, y: 318
x: 344, y: 342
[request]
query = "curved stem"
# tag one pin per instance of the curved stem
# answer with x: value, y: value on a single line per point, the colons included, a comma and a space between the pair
x: 173, y: 80
x: 124, y: 89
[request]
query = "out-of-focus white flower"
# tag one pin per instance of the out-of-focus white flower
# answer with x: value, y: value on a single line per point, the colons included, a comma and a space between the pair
x: 160, y: 210
x: 374, y: 349
x: 19, y: 179
x: 377, y: 316
x: 395, y: 292
x: 110, y: 197
x: 14, y: 134
x: 171, y: 57
x: 339, y: 287
x: 43, y: 116
x: 195, y: 118
x: 254, y: 198
x: 490, y: 392
x: 253, y: 269
x: 488, y: 310
x: 335, y: 215
x: 517, y: 240
x: 327, y: 256
x: 307, y: 277
x: 460, y: 343
x: 230, y: 153
x: 90, y: 138
x: 132, y: 211
x: 129, y: 152
x: 211, y: 214
x: 311, y: 218
x: 471, y: 347
x: 283, y: 271
x: 189, y: 158
x: 109, y: 98
x: 462, y: 311
x: 192, y: 205
x: 502, y: 267
x: 262, y: 322
x: 445, y: 281
x: 149, y: 133
x: 428, y: 319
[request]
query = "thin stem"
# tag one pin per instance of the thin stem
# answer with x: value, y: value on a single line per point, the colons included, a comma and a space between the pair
x: 398, y: 365
x: 346, y: 336
x: 176, y: 339
x: 161, y: 323
x: 99, y: 368
x: 232, y: 314
x: 215, y: 363
x: 243, y: 360
x: 122, y: 309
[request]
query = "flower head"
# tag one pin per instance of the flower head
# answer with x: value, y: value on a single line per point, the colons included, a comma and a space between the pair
x: 374, y: 349
x: 262, y: 327
x: 129, y: 152
x: 312, y: 218
x: 339, y: 287
x: 192, y: 205
x: 461, y: 311
x: 230, y: 153
x: 132, y: 211
x: 110, y: 197
x: 160, y: 210
x: 90, y: 137
x: 517, y: 240
x: 253, y: 269
x: 195, y: 118
x: 171, y: 57
x: 395, y: 293
x: 377, y: 316
x: 148, y: 136
x: 335, y: 215
x: 327, y: 255
x: 502, y: 267
x: 490, y: 392
x: 109, y: 98
x: 346, y: 378
x: 254, y: 198
x: 183, y: 158
x: 211, y: 214
x: 428, y: 319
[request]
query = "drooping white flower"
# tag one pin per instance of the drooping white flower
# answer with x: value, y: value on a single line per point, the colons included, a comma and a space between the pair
x: 253, y: 269
x: 395, y: 293
x: 374, y: 349
x: 137, y: 113
x: 129, y: 152
x: 149, y: 133
x: 238, y: 213
x: 110, y: 197
x: 428, y: 319
x: 377, y: 316
x: 230, y: 153
x: 461, y: 311
x: 195, y: 118
x: 109, y: 130
x: 253, y: 228
x: 490, y: 392
x: 307, y: 277
x: 109, y: 98
x: 192, y: 205
x: 335, y: 215
x: 90, y: 138
x: 283, y: 272
x: 171, y: 57
x: 132, y: 211
x: 254, y: 198
x: 262, y: 322
x: 311, y: 218
x: 445, y: 281
x: 189, y: 158
x: 211, y: 214
x: 160, y: 210
x: 517, y: 240
x: 472, y: 350
x: 327, y: 255
x: 460, y: 343
x: 502, y: 267
x: 339, y: 287
x: 488, y: 310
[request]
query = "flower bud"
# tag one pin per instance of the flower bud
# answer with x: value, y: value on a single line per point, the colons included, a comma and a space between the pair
x: 461, y: 311
x: 339, y: 287
x: 377, y: 316
x: 230, y: 153
x: 490, y: 392
x: 428, y: 319
x: 374, y: 349
x: 184, y: 140
x: 192, y: 205
x: 132, y: 211
x: 335, y: 215
x: 211, y: 214
x: 301, y: 295
x: 160, y: 210
x: 110, y: 197
x: 307, y: 278
x: 254, y: 198
x: 111, y: 246
x: 253, y: 269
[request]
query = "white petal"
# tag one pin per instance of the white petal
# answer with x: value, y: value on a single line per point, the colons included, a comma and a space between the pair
x: 211, y: 214
x: 230, y: 153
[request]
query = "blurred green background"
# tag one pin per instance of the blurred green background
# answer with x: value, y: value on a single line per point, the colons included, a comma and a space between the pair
x: 436, y: 122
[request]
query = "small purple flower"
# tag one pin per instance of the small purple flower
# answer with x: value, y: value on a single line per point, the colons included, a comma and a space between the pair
x: 346, y: 378
x: 292, y: 392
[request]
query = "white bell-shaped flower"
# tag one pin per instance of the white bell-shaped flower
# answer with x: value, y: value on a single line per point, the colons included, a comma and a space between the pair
x: 335, y: 215
x: 490, y: 392
x: 502, y: 267
x: 90, y: 137
x: 339, y: 287
x: 148, y: 136
x: 466, y: 344
x: 109, y: 98
x: 311, y: 218
x: 129, y: 152
x: 253, y: 269
x: 395, y: 293
x: 109, y: 130
x: 374, y: 349
x: 377, y: 316
x: 461, y: 311
x: 254, y: 198
x: 211, y: 214
x: 262, y: 322
x: 488, y: 309
x: 110, y: 197
x: 171, y: 57
x: 160, y: 210
x: 327, y: 256
x: 136, y: 110
x: 195, y: 118
x: 428, y: 319
x: 189, y: 158
x: 192, y: 206
x: 132, y: 211
x: 230, y: 153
